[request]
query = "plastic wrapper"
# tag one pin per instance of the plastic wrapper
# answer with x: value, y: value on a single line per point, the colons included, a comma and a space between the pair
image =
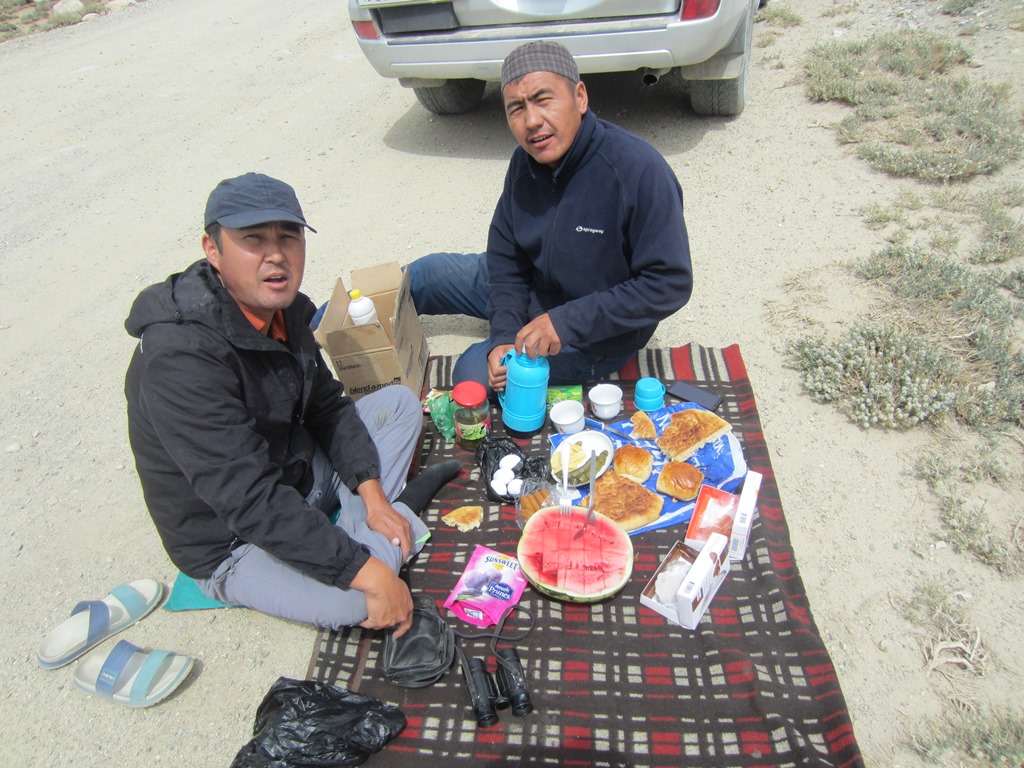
x: 489, y: 455
x: 721, y: 462
x: 538, y: 492
x: 306, y: 723
x: 439, y: 405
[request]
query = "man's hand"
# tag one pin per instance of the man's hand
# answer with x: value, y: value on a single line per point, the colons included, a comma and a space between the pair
x: 538, y: 338
x: 496, y: 372
x: 384, y: 518
x: 388, y: 602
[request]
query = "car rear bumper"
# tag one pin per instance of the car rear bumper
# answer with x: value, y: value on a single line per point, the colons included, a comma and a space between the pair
x: 656, y: 43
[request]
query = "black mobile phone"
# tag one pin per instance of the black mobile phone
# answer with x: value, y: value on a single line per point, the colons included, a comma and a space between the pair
x: 693, y: 394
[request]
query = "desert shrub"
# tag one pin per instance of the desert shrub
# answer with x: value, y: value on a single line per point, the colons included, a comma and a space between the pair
x: 776, y: 15
x: 968, y: 314
x: 1014, y: 283
x: 878, y: 376
x: 957, y: 7
x: 913, y: 273
x: 1002, y: 236
x: 975, y: 739
x: 912, y: 115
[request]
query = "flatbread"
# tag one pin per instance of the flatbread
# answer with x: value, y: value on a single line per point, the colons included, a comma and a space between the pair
x: 643, y: 427
x: 689, y: 430
x: 679, y: 480
x: 634, y: 462
x: 464, y: 518
x: 625, y: 501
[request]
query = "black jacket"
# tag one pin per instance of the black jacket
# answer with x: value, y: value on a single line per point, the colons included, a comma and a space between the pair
x: 224, y: 421
x: 599, y: 243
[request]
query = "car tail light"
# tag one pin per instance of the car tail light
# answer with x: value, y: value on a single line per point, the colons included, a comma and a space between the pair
x: 366, y: 30
x: 699, y: 9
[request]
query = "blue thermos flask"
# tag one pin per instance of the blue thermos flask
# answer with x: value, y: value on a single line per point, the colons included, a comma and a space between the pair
x: 525, y: 399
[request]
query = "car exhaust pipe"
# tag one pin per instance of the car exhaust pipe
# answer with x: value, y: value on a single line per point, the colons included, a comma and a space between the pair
x: 652, y: 76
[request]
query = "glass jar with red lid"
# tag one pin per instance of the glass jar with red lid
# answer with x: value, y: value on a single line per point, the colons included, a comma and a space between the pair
x: 471, y: 414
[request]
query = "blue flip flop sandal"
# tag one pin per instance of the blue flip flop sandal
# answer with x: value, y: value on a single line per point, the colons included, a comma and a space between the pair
x: 93, y: 621
x: 131, y: 676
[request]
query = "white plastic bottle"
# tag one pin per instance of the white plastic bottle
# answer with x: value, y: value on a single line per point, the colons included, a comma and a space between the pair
x: 360, y: 308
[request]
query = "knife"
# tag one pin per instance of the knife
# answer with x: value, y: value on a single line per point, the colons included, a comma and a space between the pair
x: 605, y: 428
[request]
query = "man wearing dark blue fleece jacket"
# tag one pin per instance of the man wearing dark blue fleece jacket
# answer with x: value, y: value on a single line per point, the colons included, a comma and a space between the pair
x: 587, y: 250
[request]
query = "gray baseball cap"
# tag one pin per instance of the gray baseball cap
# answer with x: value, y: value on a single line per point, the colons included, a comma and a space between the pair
x: 539, y: 56
x: 252, y: 199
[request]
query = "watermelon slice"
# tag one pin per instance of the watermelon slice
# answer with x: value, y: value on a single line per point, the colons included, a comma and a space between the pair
x: 593, y: 567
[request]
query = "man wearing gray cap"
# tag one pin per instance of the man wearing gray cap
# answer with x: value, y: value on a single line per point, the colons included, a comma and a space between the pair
x: 246, y: 445
x: 587, y: 250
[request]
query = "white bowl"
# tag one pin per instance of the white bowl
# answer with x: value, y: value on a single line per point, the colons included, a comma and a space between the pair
x: 567, y: 416
x: 605, y: 400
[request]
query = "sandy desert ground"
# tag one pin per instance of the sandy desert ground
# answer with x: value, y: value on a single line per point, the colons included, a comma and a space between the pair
x: 115, y: 130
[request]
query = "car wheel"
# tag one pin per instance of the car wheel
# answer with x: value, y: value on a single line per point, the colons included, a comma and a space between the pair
x: 725, y: 97
x: 452, y: 98
x: 720, y: 97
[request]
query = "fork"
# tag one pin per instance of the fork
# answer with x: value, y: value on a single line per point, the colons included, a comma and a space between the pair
x: 564, y: 499
x: 590, y: 500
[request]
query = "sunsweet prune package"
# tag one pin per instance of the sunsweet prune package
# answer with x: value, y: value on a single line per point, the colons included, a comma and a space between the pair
x: 489, y: 586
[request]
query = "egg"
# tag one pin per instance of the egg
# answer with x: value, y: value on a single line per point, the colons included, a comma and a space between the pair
x: 503, y: 476
x: 511, y: 461
x: 499, y: 488
x: 515, y: 486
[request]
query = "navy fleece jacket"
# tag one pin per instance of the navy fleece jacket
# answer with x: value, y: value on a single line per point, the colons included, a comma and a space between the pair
x: 599, y: 243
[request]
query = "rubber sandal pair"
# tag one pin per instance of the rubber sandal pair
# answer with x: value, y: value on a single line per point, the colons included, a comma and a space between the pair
x: 126, y: 674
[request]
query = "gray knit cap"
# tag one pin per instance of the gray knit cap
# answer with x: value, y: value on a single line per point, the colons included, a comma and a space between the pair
x: 539, y: 56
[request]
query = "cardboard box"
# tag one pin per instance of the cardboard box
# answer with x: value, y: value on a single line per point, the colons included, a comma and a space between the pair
x: 392, y: 351
x: 744, y: 516
x: 689, y: 581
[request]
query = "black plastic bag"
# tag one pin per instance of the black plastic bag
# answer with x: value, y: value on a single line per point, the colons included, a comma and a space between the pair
x: 492, y: 450
x: 306, y: 724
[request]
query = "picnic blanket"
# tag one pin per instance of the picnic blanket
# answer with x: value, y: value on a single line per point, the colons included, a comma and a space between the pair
x: 614, y: 684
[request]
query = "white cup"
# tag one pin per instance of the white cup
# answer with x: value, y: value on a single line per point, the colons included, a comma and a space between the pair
x: 605, y: 401
x: 567, y: 416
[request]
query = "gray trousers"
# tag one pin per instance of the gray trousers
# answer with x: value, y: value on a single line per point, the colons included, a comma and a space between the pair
x: 256, y: 579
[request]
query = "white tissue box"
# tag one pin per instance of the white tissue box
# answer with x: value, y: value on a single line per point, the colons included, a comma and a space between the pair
x: 688, y: 580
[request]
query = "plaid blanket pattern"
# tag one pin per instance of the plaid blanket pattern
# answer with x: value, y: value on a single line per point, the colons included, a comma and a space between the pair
x: 615, y: 685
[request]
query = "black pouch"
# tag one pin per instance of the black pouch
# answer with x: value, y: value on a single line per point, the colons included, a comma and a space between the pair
x: 492, y: 450
x: 422, y: 655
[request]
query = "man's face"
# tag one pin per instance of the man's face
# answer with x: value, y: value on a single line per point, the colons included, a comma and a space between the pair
x: 544, y: 112
x: 260, y: 266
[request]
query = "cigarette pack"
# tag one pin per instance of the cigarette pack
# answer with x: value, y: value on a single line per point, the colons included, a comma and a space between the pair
x: 687, y: 580
x: 714, y: 512
x: 745, y: 509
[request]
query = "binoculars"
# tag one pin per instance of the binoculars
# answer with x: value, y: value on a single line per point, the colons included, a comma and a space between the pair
x: 505, y: 688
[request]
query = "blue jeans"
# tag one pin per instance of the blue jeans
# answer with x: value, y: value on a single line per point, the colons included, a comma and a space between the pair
x: 456, y: 284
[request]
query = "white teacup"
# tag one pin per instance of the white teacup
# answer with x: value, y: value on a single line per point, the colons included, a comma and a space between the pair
x: 567, y: 416
x: 605, y: 401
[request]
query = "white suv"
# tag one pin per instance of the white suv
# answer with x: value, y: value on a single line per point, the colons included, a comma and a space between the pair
x: 447, y: 50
